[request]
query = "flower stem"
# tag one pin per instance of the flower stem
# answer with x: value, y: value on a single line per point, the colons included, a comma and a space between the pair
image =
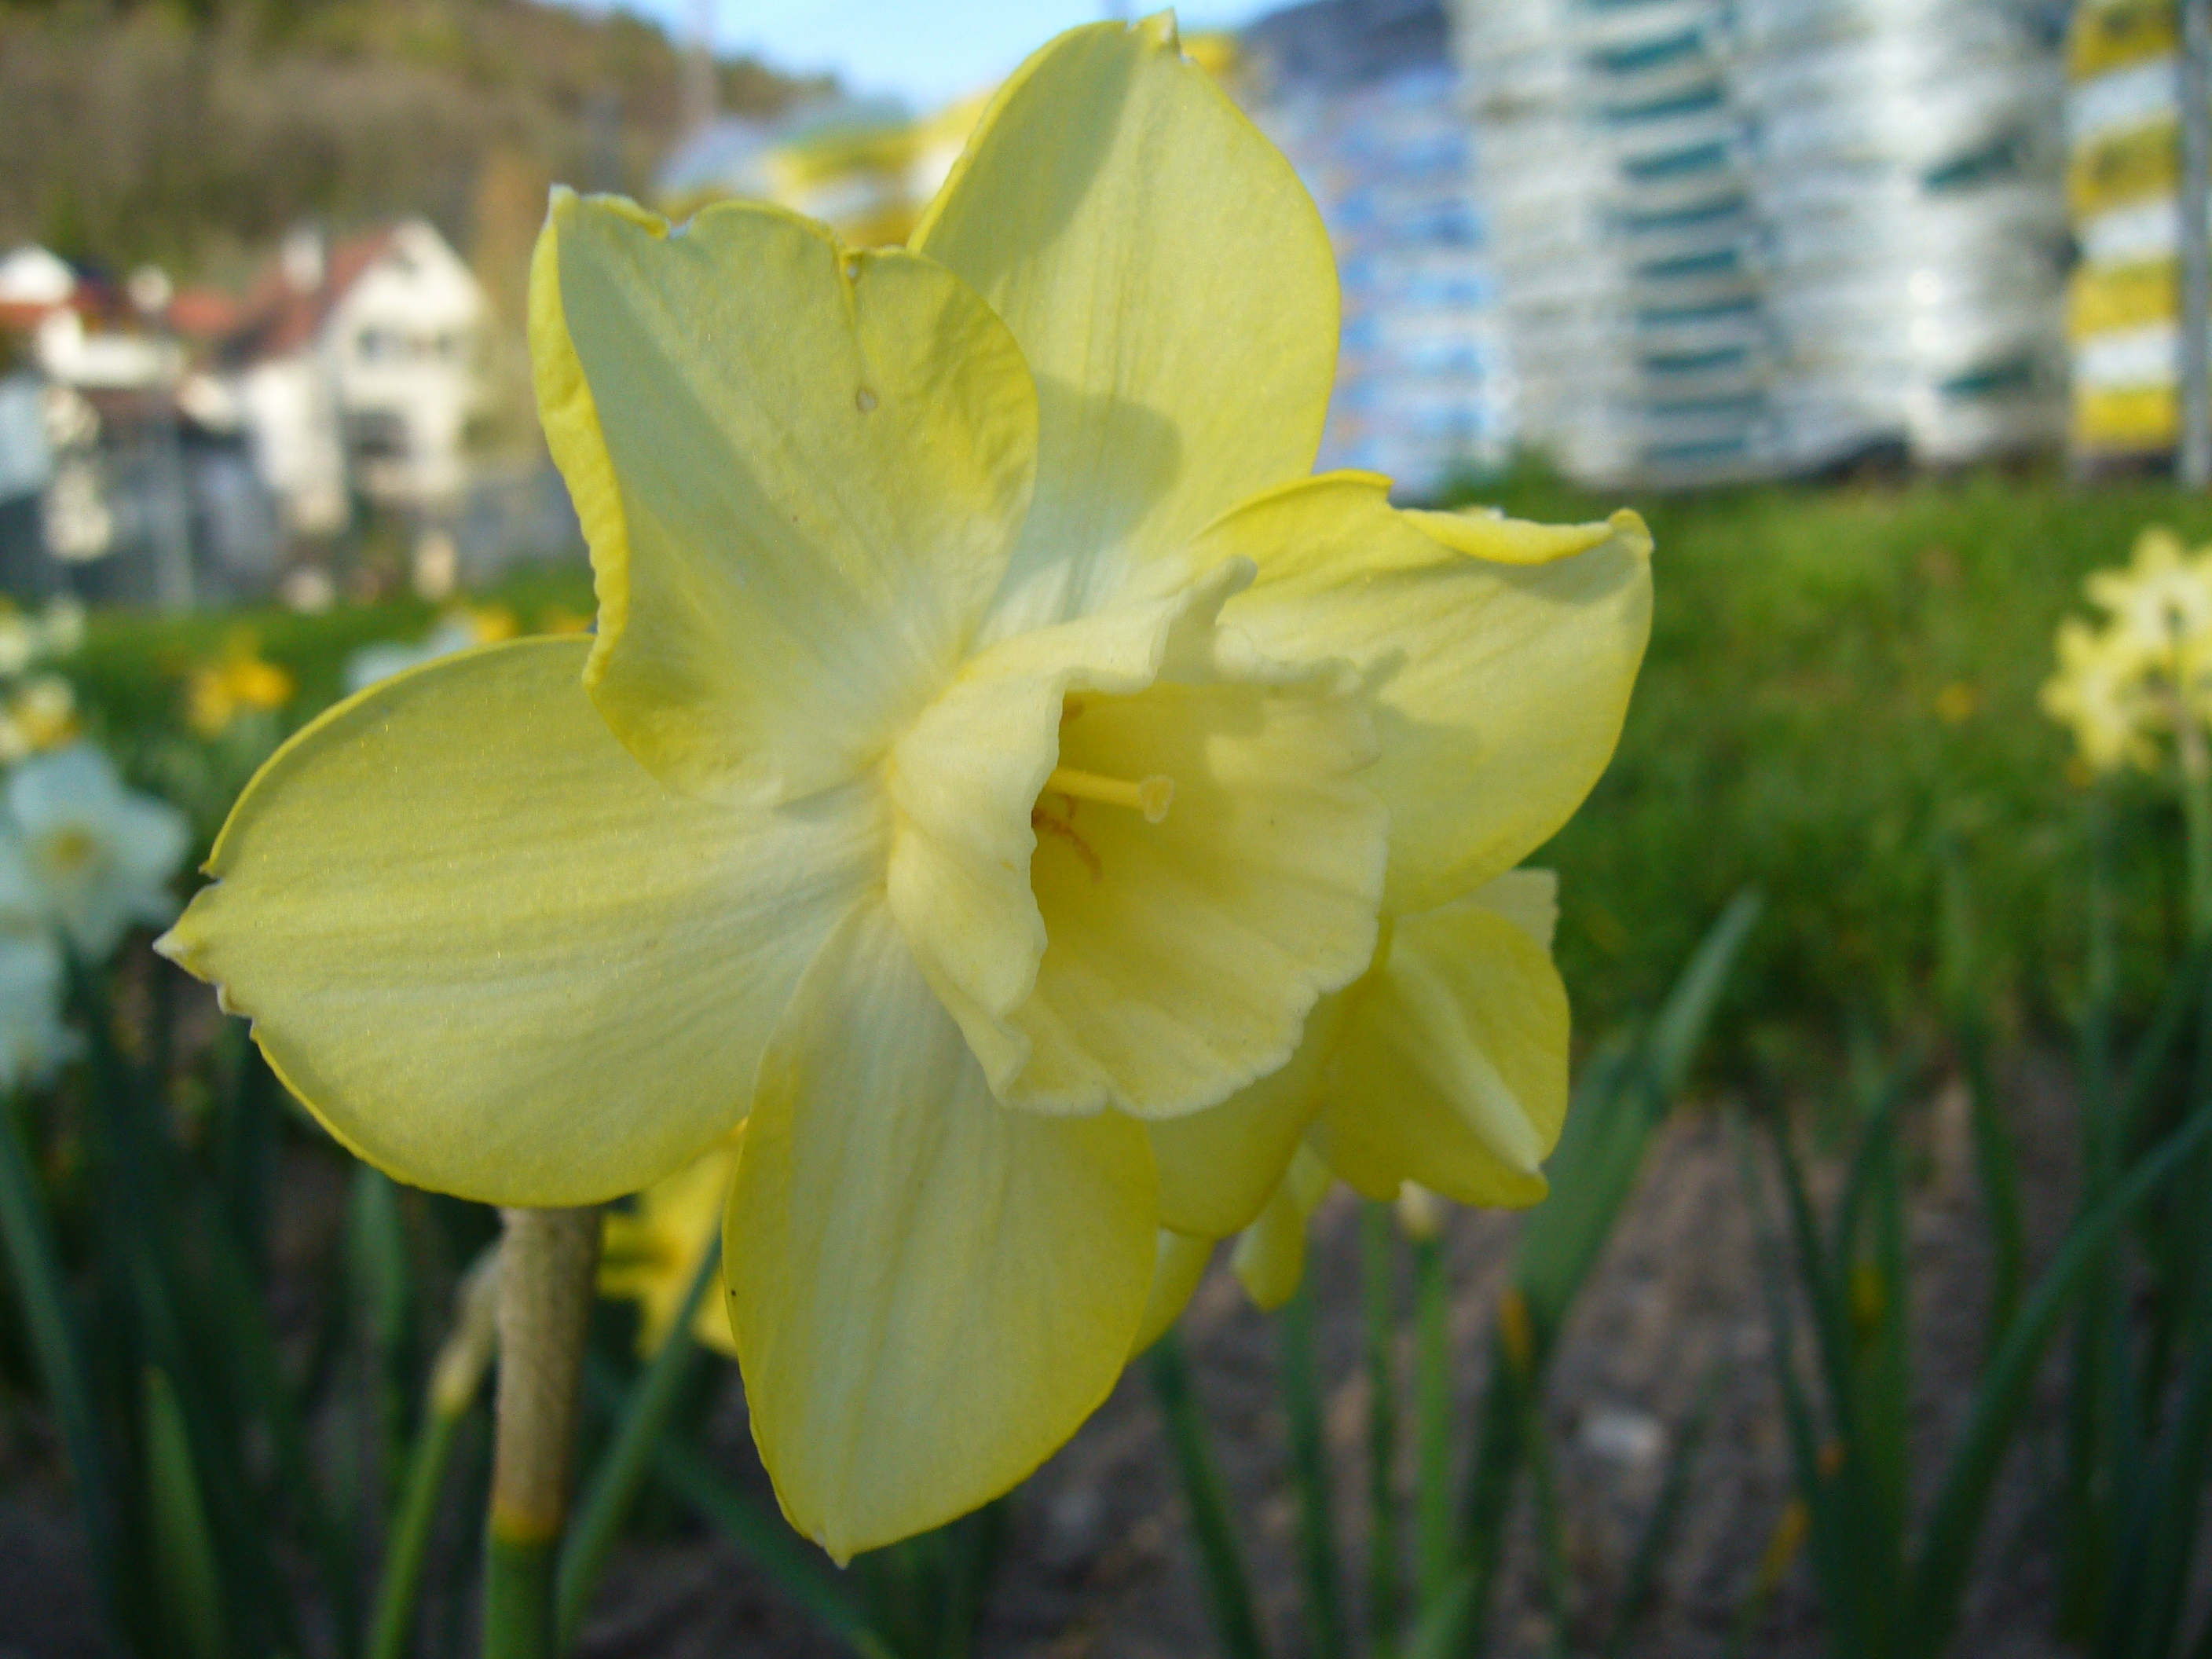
x: 547, y: 1265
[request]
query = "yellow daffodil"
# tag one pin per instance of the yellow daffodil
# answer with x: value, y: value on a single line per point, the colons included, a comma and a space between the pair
x: 2161, y: 600
x: 241, y: 682
x: 2099, y: 692
x: 559, y: 619
x: 40, y: 716
x: 989, y: 755
x: 652, y: 1250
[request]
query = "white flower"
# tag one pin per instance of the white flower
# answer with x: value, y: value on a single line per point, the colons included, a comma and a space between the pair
x: 32, y: 1039
x: 90, y: 857
x: 456, y: 630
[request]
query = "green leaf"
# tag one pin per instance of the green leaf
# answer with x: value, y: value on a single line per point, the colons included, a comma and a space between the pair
x: 615, y: 1482
x: 35, y: 1267
x: 1228, y: 1588
x: 1324, y: 1597
x: 1939, y: 1577
x: 185, y: 1568
x: 790, y: 1562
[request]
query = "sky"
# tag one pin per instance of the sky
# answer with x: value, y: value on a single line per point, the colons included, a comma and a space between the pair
x: 925, y: 51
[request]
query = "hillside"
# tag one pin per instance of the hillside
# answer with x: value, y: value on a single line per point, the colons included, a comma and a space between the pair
x: 193, y: 132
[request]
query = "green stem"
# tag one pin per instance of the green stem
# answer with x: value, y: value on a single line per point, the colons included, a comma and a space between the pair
x: 518, y: 1619
x: 1378, y: 1240
x: 547, y: 1264
x: 622, y: 1473
x: 1551, y: 1530
x: 1310, y: 1474
x: 1228, y: 1590
x: 1437, y: 1560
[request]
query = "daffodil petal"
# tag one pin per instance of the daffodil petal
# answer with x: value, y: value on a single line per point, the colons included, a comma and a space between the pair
x: 1173, y: 290
x: 1452, y: 1066
x: 1529, y: 899
x: 930, y: 1292
x: 1269, y: 1257
x: 809, y: 465
x: 1500, y: 684
x: 1094, y: 956
x: 1219, y: 1167
x: 1177, y: 1271
x: 491, y: 953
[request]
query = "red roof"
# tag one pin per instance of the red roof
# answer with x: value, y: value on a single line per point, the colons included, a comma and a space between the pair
x: 277, y: 319
x: 205, y: 313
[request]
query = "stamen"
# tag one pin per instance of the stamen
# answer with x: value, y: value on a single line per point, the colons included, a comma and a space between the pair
x: 1150, y: 796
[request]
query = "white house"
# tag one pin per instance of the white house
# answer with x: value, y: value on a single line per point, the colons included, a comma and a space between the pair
x: 361, y: 367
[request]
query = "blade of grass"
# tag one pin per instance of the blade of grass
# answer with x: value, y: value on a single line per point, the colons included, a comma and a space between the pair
x: 190, y: 1584
x: 1324, y: 1597
x: 407, y: 1548
x: 1378, y: 1274
x: 2098, y: 1389
x: 1835, y: 1554
x: 1658, y: 1529
x: 1881, y: 1292
x: 174, y: 1330
x: 249, y: 1347
x: 977, y: 1542
x: 1997, y: 1165
x: 456, y: 1382
x: 379, y: 1278
x: 1436, y: 1535
x: 245, y: 1148
x: 1228, y: 1590
x: 1826, y: 1291
x: 1938, y: 1577
x: 1996, y: 1168
x: 1625, y: 1088
x: 1458, y: 1626
x: 2159, y: 1535
x: 1782, y: 1545
x: 755, y: 1529
x: 620, y: 1474
x: 35, y: 1267
x: 1551, y: 1529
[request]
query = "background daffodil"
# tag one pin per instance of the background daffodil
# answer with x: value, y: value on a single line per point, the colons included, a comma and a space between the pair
x: 990, y: 753
x: 653, y: 1249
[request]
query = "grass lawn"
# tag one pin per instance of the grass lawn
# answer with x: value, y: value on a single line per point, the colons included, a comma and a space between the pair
x: 1840, y: 681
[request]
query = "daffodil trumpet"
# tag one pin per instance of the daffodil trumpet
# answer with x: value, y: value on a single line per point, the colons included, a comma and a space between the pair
x: 997, y: 749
